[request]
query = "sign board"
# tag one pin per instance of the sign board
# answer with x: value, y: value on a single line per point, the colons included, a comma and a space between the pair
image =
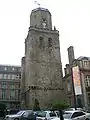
x: 76, y: 80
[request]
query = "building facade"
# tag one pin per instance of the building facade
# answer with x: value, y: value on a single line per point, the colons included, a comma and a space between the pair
x: 41, y: 66
x: 83, y: 63
x: 10, y: 77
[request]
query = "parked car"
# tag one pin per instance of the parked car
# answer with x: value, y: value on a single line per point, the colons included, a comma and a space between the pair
x: 75, y: 115
x: 28, y: 115
x: 2, y: 114
x: 12, y: 111
x: 15, y: 116
x: 57, y: 113
x: 73, y: 109
x: 46, y: 115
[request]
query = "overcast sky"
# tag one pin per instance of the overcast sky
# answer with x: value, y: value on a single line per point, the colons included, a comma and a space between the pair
x: 71, y: 18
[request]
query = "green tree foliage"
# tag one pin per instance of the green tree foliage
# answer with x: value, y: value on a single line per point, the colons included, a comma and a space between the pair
x: 79, y: 103
x: 36, y: 105
x: 2, y: 106
x: 60, y: 105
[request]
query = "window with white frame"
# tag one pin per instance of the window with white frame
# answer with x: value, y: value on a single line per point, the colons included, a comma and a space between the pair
x: 87, y: 80
x: 3, y: 94
x: 5, y: 68
x: 80, y: 62
x: 88, y: 98
x: 1, y: 76
x: 5, y: 76
x: 3, y: 84
x: 68, y: 87
x: 17, y: 95
x: 13, y: 76
x: 85, y: 63
x: 13, y: 69
x: 20, y: 69
x: 9, y: 76
x: 67, y: 70
x: 12, y: 94
x: 12, y: 86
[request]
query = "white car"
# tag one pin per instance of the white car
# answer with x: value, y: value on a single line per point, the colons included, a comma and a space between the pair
x: 46, y: 115
x: 15, y: 116
x: 75, y: 115
x: 73, y: 109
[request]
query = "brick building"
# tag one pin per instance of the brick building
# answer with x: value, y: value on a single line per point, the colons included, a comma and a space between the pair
x: 10, y: 77
x: 84, y: 70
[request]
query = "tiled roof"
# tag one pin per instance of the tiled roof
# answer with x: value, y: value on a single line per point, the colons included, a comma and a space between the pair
x: 83, y: 58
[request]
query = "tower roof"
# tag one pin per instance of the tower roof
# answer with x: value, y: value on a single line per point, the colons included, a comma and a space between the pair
x: 41, y: 18
x: 41, y: 9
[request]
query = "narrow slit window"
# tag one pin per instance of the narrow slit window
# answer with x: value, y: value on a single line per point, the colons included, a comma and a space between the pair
x: 50, y: 42
x: 41, y: 42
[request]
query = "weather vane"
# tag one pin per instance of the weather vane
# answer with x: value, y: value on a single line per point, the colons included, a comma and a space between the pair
x: 37, y: 3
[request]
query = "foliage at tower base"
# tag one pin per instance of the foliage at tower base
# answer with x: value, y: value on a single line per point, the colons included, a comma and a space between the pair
x: 2, y: 109
x: 2, y: 106
x: 79, y: 103
x: 36, y: 105
x: 60, y: 105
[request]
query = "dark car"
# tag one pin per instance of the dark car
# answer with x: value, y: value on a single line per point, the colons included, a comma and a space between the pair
x: 12, y: 111
x: 28, y: 115
x: 2, y: 114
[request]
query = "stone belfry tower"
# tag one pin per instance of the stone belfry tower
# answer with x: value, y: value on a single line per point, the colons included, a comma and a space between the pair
x: 43, y: 67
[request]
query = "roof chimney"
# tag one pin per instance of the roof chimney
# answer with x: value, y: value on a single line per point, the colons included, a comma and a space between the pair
x: 71, y: 54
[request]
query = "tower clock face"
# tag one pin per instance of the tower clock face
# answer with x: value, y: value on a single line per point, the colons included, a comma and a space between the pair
x: 44, y: 22
x: 44, y: 25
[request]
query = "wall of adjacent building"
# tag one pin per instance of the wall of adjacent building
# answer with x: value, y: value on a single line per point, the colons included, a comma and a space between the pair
x: 10, y: 77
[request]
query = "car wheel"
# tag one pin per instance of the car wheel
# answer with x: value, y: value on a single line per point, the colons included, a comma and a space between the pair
x: 87, y: 119
x: 16, y: 119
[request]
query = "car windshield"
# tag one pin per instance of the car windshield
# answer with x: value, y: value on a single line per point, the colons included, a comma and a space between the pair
x: 52, y: 114
x: 13, y: 111
x: 69, y: 109
x: 41, y: 114
x: 67, y: 115
x: 20, y: 112
x: 27, y: 113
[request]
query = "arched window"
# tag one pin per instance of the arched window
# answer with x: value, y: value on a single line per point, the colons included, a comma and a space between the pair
x: 49, y: 42
x: 41, y: 42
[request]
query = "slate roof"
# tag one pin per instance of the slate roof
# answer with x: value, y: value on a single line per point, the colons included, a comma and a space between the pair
x: 83, y: 58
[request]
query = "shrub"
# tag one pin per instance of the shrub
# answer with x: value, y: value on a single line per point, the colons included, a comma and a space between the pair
x: 2, y: 106
x: 60, y: 105
x: 36, y: 105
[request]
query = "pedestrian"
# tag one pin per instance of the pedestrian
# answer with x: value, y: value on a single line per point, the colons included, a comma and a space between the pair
x: 61, y: 114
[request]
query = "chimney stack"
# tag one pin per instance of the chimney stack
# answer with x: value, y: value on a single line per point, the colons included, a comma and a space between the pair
x: 71, y: 56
